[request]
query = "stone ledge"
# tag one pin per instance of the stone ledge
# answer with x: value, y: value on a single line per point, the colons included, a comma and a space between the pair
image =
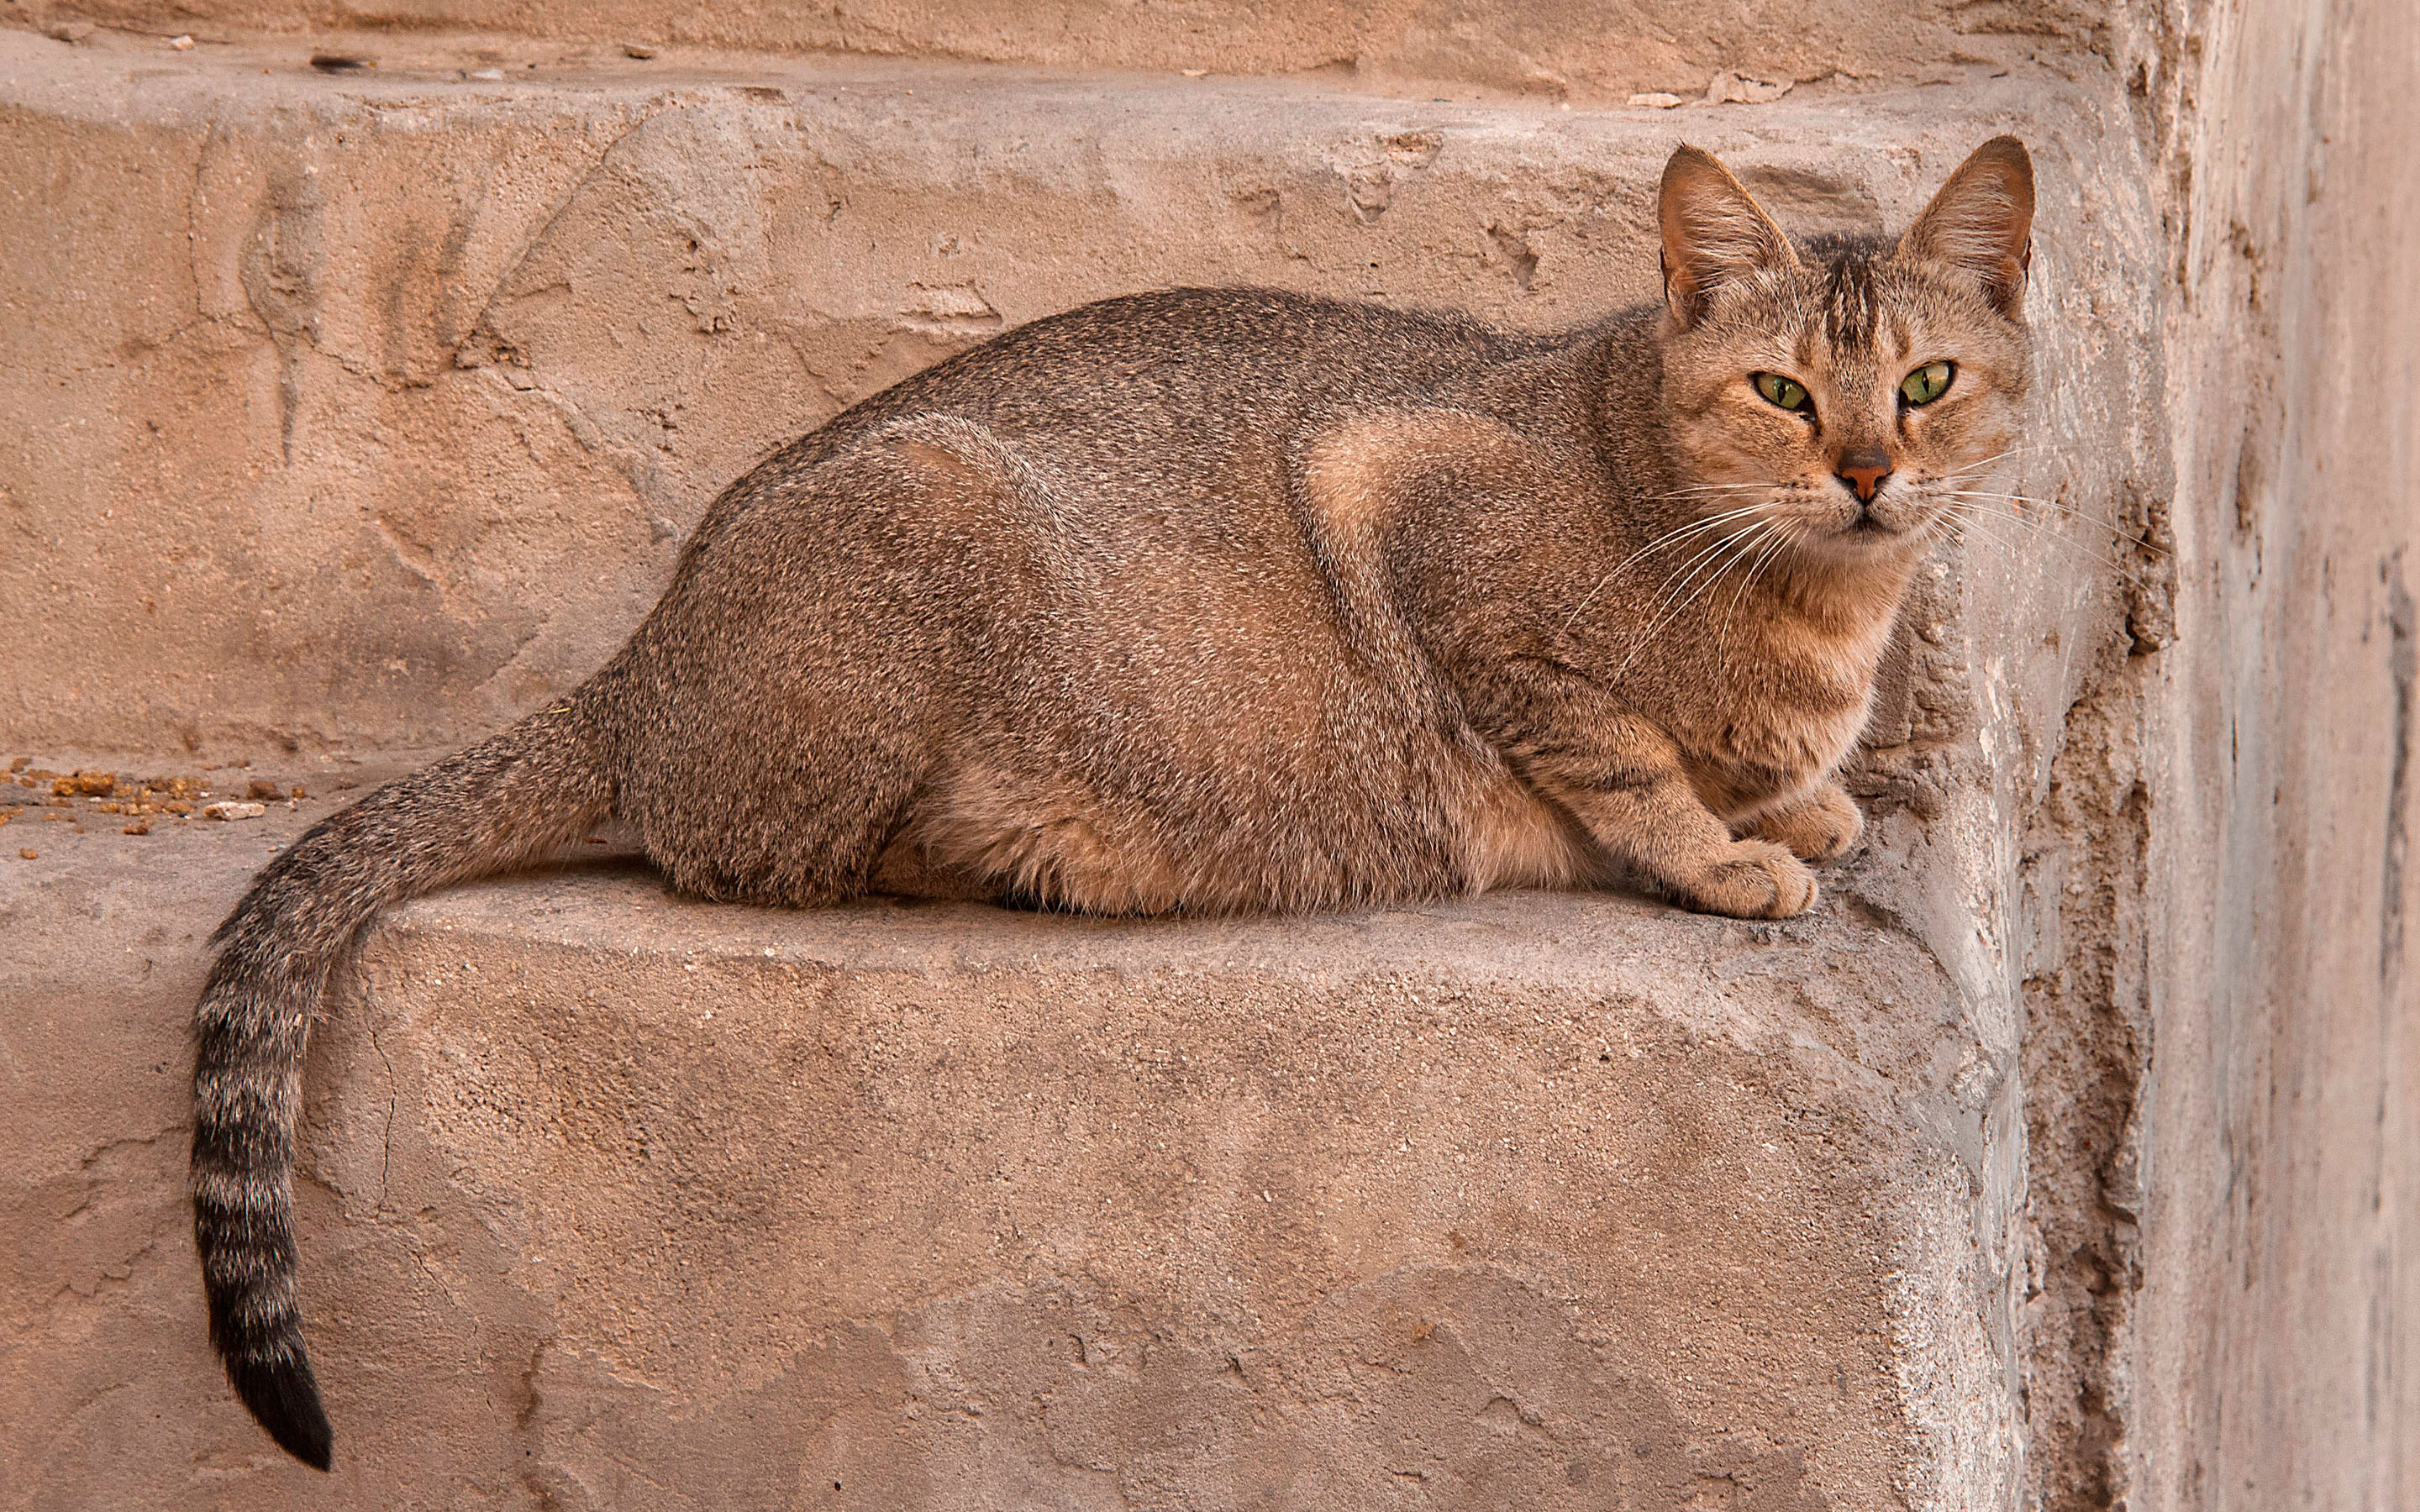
x: 449, y: 364
x: 1539, y: 1200
x: 1589, y: 50
x: 567, y: 1237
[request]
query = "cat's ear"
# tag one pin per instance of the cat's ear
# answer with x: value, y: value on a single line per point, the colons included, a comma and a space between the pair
x: 1715, y: 233
x: 1982, y: 223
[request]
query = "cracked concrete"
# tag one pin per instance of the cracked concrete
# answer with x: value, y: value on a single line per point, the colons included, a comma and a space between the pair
x: 1296, y: 1204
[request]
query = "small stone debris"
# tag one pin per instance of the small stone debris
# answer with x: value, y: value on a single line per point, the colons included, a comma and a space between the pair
x: 489, y: 75
x: 31, y: 855
x: 637, y: 50
x: 341, y: 62
x: 71, y: 31
x: 1658, y: 100
x: 66, y: 795
x: 1731, y: 87
x: 182, y: 44
x: 1194, y: 73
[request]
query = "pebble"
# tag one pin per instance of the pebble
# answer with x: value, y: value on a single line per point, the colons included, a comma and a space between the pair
x: 234, y: 810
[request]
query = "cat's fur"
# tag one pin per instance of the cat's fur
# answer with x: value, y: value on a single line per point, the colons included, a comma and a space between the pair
x: 1221, y: 600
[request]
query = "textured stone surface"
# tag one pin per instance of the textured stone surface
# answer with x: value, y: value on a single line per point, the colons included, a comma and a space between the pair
x: 2269, y: 1037
x: 1596, y: 51
x: 619, y: 1200
x: 1542, y: 1201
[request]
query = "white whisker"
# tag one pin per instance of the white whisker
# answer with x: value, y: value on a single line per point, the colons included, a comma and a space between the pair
x: 1724, y: 555
x: 1973, y: 515
x: 1667, y: 539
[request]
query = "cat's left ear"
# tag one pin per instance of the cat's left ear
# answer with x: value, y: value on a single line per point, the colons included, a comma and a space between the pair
x: 1982, y: 223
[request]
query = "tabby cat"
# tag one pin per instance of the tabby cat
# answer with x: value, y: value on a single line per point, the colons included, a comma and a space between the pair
x: 1226, y: 600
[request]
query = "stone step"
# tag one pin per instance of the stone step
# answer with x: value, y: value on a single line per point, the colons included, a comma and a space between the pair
x: 1599, y: 52
x: 1538, y: 1201
x: 612, y: 1199
x: 366, y: 410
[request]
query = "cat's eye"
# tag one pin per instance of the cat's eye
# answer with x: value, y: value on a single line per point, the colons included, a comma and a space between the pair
x: 1785, y: 391
x: 1927, y: 383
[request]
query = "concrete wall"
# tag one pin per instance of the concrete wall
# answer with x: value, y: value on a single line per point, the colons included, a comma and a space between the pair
x: 359, y: 412
x: 2268, y: 1356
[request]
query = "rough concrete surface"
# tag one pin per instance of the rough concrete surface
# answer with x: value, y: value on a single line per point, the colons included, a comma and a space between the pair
x: 371, y: 413
x: 2268, y: 1184
x: 619, y: 1200
x: 2062, y: 1162
x: 1595, y: 50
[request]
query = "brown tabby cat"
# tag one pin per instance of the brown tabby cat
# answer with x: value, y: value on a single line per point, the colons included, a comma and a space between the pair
x: 1230, y: 599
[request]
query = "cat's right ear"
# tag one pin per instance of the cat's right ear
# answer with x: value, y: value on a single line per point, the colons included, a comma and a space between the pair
x: 1715, y: 233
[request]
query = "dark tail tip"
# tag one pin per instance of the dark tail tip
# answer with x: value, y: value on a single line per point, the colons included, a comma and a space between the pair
x: 283, y: 1397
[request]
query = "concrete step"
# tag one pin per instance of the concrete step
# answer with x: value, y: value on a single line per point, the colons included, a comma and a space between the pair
x: 612, y: 1199
x: 1596, y: 52
x: 368, y: 410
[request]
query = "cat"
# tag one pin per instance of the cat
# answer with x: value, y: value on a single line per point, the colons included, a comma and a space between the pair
x: 1218, y: 600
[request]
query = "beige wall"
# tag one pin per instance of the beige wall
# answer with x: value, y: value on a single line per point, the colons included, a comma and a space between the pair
x: 2270, y: 1354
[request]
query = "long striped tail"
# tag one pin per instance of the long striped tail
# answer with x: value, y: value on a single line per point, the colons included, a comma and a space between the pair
x: 502, y: 802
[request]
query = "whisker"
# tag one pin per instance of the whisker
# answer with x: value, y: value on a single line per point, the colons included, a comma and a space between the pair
x: 1786, y: 536
x: 2056, y: 510
x: 1697, y: 583
x: 1668, y: 538
x: 1974, y: 511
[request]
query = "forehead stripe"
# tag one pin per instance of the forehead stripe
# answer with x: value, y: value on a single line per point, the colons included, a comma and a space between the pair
x: 1850, y: 304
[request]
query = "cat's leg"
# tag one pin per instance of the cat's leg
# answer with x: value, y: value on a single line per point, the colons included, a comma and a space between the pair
x: 1820, y: 826
x: 1623, y: 779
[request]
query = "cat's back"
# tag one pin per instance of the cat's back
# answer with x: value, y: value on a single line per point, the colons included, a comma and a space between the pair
x: 1158, y: 362
x: 1180, y: 401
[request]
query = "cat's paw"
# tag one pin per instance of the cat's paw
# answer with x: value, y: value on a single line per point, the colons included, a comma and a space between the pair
x: 1758, y: 880
x: 1825, y: 826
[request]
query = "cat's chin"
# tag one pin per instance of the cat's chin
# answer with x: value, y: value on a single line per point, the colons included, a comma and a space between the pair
x: 1868, y: 538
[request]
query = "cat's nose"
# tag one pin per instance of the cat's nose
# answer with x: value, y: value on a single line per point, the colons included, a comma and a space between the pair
x: 1863, y: 468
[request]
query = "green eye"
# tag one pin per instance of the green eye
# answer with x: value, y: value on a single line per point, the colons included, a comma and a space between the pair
x: 1788, y: 393
x: 1927, y: 383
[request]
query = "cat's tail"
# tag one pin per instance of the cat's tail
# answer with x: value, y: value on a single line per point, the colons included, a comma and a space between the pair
x: 504, y: 801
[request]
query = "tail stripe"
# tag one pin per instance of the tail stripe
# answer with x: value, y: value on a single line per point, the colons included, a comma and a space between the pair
x: 490, y: 808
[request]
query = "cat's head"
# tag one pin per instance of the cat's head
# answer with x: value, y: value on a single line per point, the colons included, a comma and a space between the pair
x: 1842, y: 391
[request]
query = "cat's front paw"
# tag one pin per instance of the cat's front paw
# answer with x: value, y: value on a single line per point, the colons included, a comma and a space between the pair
x: 1757, y: 880
x: 1825, y: 826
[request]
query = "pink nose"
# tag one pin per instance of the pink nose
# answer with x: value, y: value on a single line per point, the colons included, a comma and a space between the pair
x: 1863, y: 468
